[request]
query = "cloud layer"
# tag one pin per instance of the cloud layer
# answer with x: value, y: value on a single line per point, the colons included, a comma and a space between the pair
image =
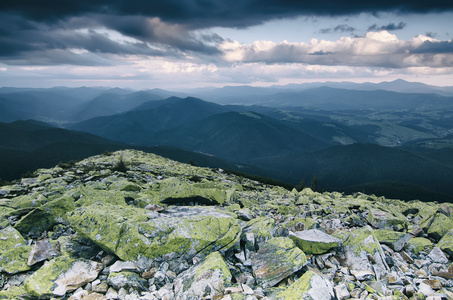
x: 376, y: 49
x: 175, y: 36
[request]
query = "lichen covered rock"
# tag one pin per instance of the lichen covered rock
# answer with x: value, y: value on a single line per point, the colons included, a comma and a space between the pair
x: 13, y: 251
x: 275, y: 260
x: 395, y: 240
x: 384, y: 220
x: 446, y: 243
x: 160, y: 229
x: 361, y: 244
x: 60, y: 275
x: 418, y: 244
x: 440, y: 225
x: 129, y: 232
x: 45, y: 216
x: 263, y: 228
x: 310, y: 286
x: 208, y: 278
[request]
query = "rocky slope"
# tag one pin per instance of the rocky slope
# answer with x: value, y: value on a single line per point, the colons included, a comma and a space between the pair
x: 130, y: 225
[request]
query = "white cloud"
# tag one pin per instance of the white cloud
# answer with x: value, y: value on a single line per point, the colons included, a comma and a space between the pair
x: 375, y: 49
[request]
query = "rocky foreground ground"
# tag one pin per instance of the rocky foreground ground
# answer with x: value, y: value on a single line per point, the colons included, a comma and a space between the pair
x: 152, y: 228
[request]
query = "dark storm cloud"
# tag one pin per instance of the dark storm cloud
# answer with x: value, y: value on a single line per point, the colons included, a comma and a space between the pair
x: 23, y: 41
x: 207, y: 13
x: 388, y: 27
x: 32, y: 29
x: 155, y: 31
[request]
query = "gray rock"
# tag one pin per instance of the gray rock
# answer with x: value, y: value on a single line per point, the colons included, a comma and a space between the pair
x: 437, y: 256
x: 119, y: 266
x: 314, y: 241
x: 341, y: 291
x: 41, y: 250
x: 127, y: 279
x: 111, y: 294
x: 425, y: 289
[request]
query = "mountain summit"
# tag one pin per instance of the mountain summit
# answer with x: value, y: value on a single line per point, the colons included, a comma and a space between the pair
x: 131, y: 225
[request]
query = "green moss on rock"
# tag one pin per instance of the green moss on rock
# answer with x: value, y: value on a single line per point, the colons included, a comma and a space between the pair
x: 207, y: 279
x: 262, y: 227
x: 60, y: 275
x: 277, y: 259
x: 212, y: 262
x: 13, y: 251
x: 446, y: 243
x: 128, y: 231
x: 6, y: 212
x: 395, y: 240
x: 385, y: 220
x: 45, y: 217
x: 171, y: 189
x: 14, y: 293
x: 308, y: 287
x: 419, y: 244
x: 86, y: 196
x: 441, y: 224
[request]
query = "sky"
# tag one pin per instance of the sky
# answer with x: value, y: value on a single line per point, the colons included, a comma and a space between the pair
x: 145, y: 44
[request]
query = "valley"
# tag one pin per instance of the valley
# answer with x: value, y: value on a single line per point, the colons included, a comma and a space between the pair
x: 351, y: 138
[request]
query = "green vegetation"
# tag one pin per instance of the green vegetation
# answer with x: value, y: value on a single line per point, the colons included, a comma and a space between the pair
x: 120, y: 166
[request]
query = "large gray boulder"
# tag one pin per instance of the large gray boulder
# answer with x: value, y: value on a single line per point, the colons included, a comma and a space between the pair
x: 314, y: 241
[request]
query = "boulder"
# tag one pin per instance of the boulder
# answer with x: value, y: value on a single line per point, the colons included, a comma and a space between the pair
x: 395, y: 240
x: 419, y: 244
x: 311, y: 286
x: 206, y: 279
x: 263, y: 228
x: 13, y: 251
x: 359, y: 246
x: 61, y: 275
x: 440, y: 225
x: 275, y: 260
x: 446, y: 243
x: 314, y: 241
x: 384, y: 220
x: 437, y: 256
x: 128, y: 232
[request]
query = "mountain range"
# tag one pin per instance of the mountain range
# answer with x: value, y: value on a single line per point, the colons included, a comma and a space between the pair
x: 386, y: 142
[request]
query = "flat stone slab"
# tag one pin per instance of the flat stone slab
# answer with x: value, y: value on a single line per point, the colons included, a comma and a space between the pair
x: 314, y: 241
